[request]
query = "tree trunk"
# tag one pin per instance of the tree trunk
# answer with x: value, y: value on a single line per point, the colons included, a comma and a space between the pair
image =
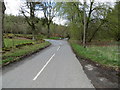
x: 88, y: 19
x: 32, y: 15
x: 3, y: 45
x: 48, y: 30
x: 33, y: 31
x: 84, y: 32
x: 93, y: 35
x: 0, y: 26
x: 3, y: 10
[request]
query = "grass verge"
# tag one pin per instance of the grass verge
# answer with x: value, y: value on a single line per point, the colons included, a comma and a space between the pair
x: 27, y: 36
x: 13, y: 42
x: 19, y: 53
x: 105, y: 55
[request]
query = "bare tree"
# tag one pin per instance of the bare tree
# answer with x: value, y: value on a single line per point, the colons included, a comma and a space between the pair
x: 49, y: 11
x: 31, y: 18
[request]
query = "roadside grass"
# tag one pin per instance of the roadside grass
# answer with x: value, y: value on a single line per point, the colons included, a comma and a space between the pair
x: 105, y: 55
x: 27, y: 36
x: 13, y: 42
x: 18, y: 52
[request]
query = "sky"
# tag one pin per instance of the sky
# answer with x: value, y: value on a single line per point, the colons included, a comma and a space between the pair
x: 13, y: 7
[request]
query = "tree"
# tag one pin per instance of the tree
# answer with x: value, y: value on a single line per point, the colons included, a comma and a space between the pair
x: 48, y: 9
x: 84, y: 35
x: 113, y: 19
x: 2, y: 15
x: 31, y: 19
x: 94, y: 12
x: 19, y: 25
x: 74, y: 14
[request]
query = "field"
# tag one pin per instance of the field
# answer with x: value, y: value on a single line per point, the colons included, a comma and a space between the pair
x: 105, y: 55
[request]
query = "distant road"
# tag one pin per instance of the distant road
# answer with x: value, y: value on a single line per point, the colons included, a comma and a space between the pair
x: 53, y: 67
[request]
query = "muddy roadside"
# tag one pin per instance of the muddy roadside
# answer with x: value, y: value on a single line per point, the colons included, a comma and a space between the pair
x: 101, y: 77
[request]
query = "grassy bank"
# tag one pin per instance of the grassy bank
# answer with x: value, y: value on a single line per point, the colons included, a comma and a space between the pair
x: 13, y: 42
x: 28, y: 36
x: 105, y: 55
x: 23, y: 51
x: 17, y: 48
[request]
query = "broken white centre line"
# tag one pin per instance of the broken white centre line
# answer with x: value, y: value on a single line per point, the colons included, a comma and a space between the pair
x: 43, y: 67
x: 58, y: 48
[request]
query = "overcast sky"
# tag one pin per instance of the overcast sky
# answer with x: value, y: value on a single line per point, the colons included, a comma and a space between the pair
x: 13, y: 7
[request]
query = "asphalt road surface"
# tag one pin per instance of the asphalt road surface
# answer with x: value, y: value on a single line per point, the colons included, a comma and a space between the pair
x: 53, y: 67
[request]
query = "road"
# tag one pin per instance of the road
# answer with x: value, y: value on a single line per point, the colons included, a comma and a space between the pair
x: 53, y: 67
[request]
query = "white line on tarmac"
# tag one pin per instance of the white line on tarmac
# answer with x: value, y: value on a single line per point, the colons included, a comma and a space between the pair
x: 58, y: 48
x: 43, y: 67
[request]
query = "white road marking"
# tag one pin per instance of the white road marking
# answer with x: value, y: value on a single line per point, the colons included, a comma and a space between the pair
x: 43, y: 67
x: 58, y: 48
